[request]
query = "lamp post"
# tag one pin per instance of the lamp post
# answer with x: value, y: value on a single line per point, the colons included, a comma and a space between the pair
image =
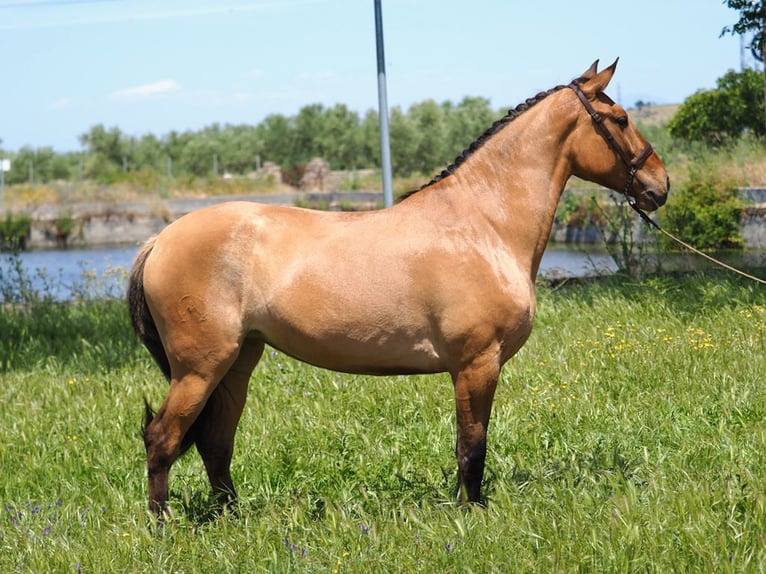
x: 385, y: 142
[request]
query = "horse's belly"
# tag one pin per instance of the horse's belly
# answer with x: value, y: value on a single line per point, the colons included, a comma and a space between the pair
x: 376, y: 353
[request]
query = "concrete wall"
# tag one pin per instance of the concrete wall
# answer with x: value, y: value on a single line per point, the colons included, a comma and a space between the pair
x: 120, y: 223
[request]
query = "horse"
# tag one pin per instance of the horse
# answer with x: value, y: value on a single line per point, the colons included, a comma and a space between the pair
x: 442, y: 281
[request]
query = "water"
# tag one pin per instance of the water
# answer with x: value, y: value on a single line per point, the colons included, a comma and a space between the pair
x: 98, y: 271
x: 64, y: 274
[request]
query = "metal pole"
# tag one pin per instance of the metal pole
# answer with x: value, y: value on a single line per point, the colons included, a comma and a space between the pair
x: 385, y: 141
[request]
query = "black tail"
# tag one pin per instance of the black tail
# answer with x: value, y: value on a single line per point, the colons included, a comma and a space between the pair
x: 143, y: 323
x: 146, y: 329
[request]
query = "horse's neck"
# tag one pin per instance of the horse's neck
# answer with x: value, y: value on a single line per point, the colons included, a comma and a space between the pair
x: 516, y: 180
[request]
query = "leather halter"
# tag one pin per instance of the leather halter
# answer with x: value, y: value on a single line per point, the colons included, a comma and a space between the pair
x: 634, y: 164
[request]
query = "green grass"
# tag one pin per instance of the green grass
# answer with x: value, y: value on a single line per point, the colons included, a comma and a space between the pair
x: 629, y: 435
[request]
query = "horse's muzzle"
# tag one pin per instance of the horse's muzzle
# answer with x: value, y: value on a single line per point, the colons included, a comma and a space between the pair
x: 651, y: 199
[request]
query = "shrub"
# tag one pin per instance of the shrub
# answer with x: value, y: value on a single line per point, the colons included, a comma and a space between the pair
x: 705, y: 211
x: 14, y: 230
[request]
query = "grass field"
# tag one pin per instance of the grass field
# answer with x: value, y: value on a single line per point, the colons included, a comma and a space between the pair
x: 629, y: 435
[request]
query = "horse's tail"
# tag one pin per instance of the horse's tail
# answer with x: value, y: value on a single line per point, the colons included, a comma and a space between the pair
x: 140, y: 316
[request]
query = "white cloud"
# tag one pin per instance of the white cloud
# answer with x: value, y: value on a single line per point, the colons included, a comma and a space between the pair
x: 153, y: 90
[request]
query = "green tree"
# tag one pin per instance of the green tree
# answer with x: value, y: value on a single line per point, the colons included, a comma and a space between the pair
x: 752, y: 18
x: 307, y: 126
x: 239, y: 146
x: 276, y: 135
x: 38, y: 165
x: 427, y: 118
x: 173, y: 146
x: 404, y: 142
x: 147, y: 153
x: 108, y: 149
x: 466, y: 122
x: 715, y: 116
x: 199, y: 156
x: 369, y: 137
x: 340, y: 137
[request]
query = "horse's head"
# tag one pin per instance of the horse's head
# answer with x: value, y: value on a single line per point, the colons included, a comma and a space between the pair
x: 609, y: 149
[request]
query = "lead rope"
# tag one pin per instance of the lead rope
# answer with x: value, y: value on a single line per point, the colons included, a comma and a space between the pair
x: 651, y: 223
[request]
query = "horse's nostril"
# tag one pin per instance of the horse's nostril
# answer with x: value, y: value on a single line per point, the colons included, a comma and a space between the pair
x: 658, y: 198
x: 667, y: 183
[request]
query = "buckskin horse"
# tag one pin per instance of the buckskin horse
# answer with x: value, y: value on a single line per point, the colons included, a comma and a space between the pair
x: 442, y: 281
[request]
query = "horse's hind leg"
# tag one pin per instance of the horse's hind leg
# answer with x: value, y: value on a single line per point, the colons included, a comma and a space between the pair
x: 214, y: 429
x: 164, y: 432
x: 193, y: 379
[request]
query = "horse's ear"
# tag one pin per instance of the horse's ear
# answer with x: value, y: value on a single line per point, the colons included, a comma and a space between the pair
x: 599, y: 81
x: 590, y: 72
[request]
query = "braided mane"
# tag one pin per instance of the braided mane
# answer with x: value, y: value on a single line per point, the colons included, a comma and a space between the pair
x: 484, y: 138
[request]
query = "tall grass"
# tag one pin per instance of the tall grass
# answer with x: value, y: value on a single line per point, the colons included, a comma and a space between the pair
x: 628, y: 435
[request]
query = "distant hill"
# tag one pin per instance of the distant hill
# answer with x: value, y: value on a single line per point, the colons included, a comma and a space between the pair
x: 654, y: 115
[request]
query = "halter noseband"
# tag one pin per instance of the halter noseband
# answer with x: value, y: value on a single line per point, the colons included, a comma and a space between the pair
x: 633, y: 165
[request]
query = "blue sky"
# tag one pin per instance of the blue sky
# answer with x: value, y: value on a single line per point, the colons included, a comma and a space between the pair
x: 152, y: 66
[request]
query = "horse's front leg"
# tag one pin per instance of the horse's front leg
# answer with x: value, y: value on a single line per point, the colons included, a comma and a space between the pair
x: 474, y: 390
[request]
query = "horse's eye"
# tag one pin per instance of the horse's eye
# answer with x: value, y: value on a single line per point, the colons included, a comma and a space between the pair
x: 622, y: 121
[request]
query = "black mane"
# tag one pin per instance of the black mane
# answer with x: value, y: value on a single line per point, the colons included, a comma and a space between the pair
x: 484, y: 138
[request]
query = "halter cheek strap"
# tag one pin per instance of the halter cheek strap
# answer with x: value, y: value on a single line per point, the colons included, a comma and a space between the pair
x: 634, y: 164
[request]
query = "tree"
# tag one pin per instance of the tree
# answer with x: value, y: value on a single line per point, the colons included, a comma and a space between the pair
x: 404, y: 142
x: 752, y: 18
x: 147, y: 154
x: 466, y: 122
x: 108, y: 151
x: 307, y: 126
x: 199, y: 155
x: 427, y: 118
x: 37, y: 165
x: 714, y: 116
x: 370, y: 140
x: 277, y: 137
x: 340, y: 137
